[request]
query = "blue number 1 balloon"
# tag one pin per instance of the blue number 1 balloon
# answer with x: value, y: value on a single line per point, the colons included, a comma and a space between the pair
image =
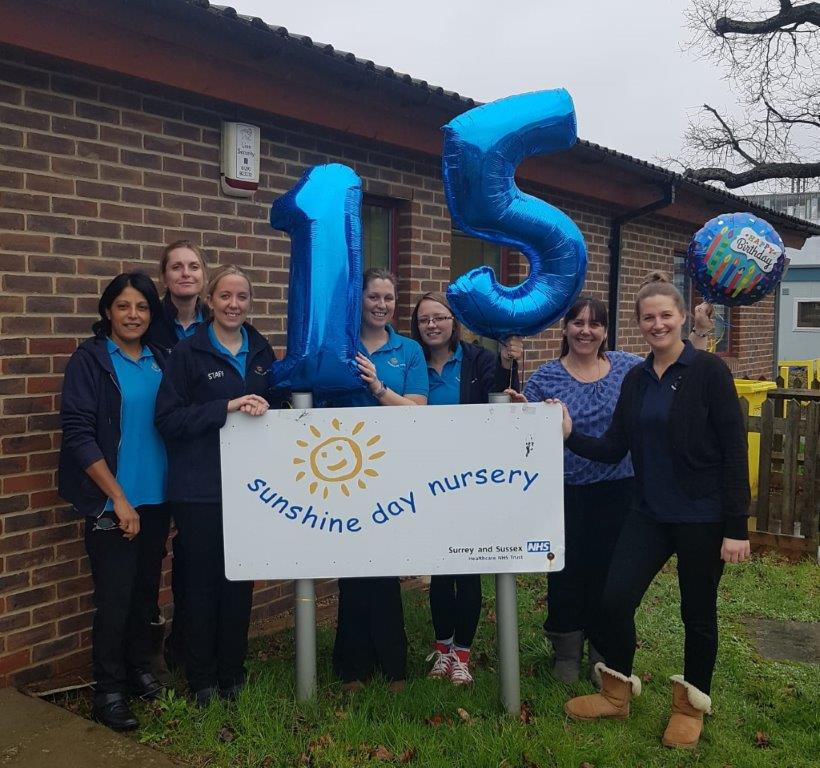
x: 322, y: 215
x: 482, y: 149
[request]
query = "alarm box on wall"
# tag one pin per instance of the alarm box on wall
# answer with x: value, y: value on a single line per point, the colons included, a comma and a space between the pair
x: 239, y: 171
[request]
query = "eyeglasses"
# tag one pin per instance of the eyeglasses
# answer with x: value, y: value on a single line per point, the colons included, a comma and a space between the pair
x: 434, y: 319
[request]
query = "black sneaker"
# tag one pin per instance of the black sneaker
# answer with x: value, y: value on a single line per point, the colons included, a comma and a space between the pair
x: 112, y: 710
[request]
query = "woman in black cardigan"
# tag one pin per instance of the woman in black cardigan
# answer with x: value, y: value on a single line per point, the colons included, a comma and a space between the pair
x: 458, y: 373
x: 678, y: 414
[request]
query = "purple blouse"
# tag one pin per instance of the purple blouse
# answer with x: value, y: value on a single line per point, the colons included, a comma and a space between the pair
x: 591, y: 407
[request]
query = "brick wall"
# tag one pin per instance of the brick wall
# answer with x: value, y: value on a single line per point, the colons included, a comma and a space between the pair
x: 96, y: 174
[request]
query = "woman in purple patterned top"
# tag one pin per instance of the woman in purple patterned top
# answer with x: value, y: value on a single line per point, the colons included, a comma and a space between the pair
x: 597, y: 496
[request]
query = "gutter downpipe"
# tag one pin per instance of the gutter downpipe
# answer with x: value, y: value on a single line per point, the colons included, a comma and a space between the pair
x: 615, y: 256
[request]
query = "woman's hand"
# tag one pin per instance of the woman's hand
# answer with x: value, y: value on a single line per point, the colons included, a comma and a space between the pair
x: 566, y: 421
x: 253, y: 405
x: 512, y: 348
x: 735, y: 550
x: 368, y: 373
x: 704, y: 318
x: 128, y: 516
x: 515, y: 397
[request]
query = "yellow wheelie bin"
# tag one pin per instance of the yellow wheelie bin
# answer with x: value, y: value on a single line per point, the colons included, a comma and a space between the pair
x: 755, y: 393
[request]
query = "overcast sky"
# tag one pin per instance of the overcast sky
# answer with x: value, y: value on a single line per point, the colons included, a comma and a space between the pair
x: 622, y: 62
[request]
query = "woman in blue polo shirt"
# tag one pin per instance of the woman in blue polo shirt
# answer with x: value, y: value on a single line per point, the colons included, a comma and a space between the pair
x: 221, y: 369
x: 370, y: 628
x: 183, y: 272
x: 113, y: 470
x: 458, y: 373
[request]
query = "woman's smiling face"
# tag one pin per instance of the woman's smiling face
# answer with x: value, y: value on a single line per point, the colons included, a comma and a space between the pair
x: 230, y: 302
x: 661, y: 322
x: 378, y: 303
x: 435, y: 323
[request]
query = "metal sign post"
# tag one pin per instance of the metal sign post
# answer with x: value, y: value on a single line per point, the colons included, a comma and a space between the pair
x: 506, y: 606
x: 304, y: 609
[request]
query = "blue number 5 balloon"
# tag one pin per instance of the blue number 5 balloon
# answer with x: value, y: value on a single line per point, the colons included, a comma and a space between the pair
x: 322, y: 215
x: 482, y: 149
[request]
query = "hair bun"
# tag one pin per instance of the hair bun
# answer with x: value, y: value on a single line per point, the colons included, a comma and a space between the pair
x: 655, y: 276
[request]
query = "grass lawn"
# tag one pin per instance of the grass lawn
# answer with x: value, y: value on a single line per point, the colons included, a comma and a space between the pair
x: 765, y: 713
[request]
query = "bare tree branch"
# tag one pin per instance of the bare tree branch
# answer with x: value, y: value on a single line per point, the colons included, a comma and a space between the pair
x: 789, y: 15
x: 772, y: 60
x: 761, y: 172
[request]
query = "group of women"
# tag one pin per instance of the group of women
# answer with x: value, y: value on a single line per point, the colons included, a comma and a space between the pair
x: 145, y: 398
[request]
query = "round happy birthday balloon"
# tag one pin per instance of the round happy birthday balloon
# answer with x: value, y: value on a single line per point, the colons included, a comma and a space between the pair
x: 736, y: 259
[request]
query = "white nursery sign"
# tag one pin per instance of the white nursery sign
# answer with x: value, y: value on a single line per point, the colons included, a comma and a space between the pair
x: 393, y: 491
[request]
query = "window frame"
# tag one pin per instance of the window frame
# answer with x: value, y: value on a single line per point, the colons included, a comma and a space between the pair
x: 804, y: 300
x: 392, y: 206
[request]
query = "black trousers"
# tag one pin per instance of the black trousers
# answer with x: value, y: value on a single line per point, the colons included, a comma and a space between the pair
x: 455, y: 604
x: 370, y: 629
x: 593, y: 517
x: 126, y: 578
x: 643, y: 548
x: 217, y: 611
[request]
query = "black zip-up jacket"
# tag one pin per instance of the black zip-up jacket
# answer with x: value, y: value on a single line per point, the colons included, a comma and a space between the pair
x: 162, y: 331
x: 482, y: 373
x: 707, y: 436
x: 192, y: 406
x: 90, y: 413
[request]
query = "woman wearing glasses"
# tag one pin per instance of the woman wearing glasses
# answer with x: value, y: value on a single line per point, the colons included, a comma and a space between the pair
x: 370, y: 627
x: 458, y: 373
x: 113, y: 470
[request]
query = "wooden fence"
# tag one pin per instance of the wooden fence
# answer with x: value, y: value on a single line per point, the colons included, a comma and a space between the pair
x: 786, y: 511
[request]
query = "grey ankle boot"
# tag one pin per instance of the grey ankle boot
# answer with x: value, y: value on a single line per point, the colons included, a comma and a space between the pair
x: 593, y: 657
x: 568, y: 647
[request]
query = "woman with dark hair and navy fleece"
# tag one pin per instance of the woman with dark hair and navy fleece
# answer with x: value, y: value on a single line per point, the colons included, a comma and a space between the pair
x: 113, y: 470
x: 221, y: 369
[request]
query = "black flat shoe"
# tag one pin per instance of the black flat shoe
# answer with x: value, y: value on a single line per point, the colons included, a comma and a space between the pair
x: 203, y: 696
x: 112, y: 710
x: 145, y: 685
x: 231, y: 692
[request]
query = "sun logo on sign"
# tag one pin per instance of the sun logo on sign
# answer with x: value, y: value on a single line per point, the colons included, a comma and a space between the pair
x: 337, y: 460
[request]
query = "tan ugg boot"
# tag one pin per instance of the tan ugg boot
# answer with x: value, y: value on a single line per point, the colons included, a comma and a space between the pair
x: 686, y: 722
x: 611, y: 702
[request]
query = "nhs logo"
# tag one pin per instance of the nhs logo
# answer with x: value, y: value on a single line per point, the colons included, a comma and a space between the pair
x: 538, y: 546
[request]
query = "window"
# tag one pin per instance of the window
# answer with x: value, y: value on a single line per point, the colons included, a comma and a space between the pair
x: 467, y: 253
x: 807, y: 315
x: 379, y: 235
x: 724, y: 317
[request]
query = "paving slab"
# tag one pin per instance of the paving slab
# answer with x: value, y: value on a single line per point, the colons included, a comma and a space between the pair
x: 786, y: 640
x: 36, y: 734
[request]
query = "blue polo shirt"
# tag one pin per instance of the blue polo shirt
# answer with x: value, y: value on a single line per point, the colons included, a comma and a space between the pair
x: 238, y: 360
x: 184, y: 333
x: 142, y: 466
x: 400, y: 365
x: 662, y: 497
x: 445, y: 387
